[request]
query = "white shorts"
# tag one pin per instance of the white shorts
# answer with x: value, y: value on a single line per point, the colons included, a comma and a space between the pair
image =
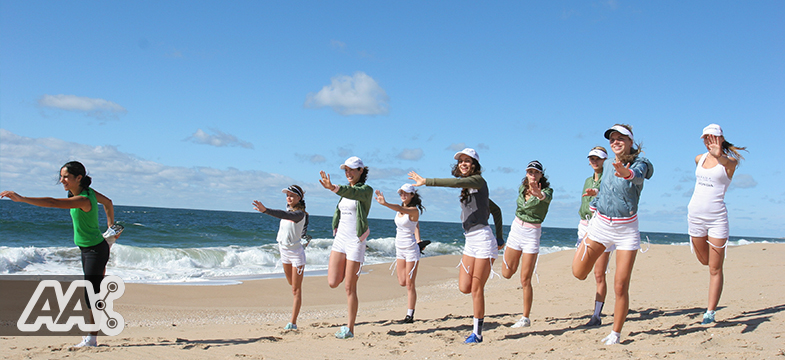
x: 524, y: 237
x: 583, y: 228
x: 481, y: 244
x: 717, y: 228
x: 409, y: 253
x: 623, y: 233
x: 295, y: 256
x: 352, y: 247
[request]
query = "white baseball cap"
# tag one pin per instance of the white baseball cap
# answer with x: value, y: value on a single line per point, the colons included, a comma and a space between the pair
x: 408, y: 188
x: 469, y: 152
x: 621, y: 129
x: 712, y: 129
x: 353, y: 163
x: 598, y: 153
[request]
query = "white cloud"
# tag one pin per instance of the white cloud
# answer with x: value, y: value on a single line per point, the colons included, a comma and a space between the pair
x: 98, y: 108
x: 411, y: 154
x: 743, y: 181
x: 317, y: 159
x: 351, y: 95
x: 219, y: 139
x: 457, y: 146
x: 338, y: 44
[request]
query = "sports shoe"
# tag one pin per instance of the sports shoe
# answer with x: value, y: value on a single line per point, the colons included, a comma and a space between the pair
x: 708, y: 317
x: 473, y: 338
x: 611, y: 339
x: 407, y: 320
x: 423, y: 244
x: 594, y: 321
x: 290, y: 326
x: 87, y: 341
x: 344, y: 333
x: 523, y: 322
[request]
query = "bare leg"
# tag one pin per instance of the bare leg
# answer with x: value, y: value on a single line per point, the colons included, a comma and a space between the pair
x: 295, y: 277
x: 585, y: 257
x: 716, y: 276
x: 412, y: 292
x: 511, y: 259
x: 599, y: 276
x: 528, y: 261
x: 351, y: 276
x: 625, y: 259
x: 336, y: 269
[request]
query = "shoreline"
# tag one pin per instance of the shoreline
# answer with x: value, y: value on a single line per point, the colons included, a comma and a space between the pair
x: 667, y: 299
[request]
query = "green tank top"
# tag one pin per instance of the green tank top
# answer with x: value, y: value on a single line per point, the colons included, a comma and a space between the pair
x: 86, y: 231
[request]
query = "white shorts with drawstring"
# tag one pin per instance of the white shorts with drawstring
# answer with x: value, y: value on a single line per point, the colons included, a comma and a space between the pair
x: 481, y: 244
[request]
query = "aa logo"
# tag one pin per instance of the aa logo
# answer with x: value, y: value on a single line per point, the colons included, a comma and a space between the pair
x: 61, y: 311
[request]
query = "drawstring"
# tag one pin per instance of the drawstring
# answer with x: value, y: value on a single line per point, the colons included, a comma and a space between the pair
x: 648, y: 245
x: 504, y: 259
x: 461, y: 265
x: 725, y: 256
x: 411, y: 273
x: 536, y: 262
x: 493, y: 272
x: 300, y: 269
x: 608, y: 265
x: 393, y: 266
x: 585, y: 248
x: 360, y: 270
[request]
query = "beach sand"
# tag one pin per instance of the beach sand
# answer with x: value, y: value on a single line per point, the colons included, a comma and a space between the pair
x: 668, y: 296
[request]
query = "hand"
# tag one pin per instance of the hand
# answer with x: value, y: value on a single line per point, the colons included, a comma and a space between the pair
x: 590, y: 192
x: 325, y: 181
x: 380, y: 197
x: 418, y: 180
x: 535, y: 189
x: 11, y: 195
x: 714, y: 145
x: 258, y: 206
x: 622, y: 171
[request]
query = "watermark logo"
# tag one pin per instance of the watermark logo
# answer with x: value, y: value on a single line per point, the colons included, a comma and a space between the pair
x: 49, y: 310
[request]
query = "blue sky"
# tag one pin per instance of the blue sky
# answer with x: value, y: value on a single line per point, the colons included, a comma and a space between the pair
x: 211, y: 105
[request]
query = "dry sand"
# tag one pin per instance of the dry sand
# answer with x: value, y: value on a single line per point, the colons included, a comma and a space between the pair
x: 668, y: 297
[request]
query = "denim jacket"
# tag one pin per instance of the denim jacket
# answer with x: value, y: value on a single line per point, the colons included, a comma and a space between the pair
x: 618, y: 198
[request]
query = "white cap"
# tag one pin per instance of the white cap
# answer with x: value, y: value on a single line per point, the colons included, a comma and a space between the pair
x: 353, y: 163
x: 408, y: 188
x: 712, y: 129
x: 621, y: 129
x: 469, y: 152
x: 598, y: 153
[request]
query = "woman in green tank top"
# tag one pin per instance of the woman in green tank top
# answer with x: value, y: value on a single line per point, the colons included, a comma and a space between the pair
x: 83, y: 203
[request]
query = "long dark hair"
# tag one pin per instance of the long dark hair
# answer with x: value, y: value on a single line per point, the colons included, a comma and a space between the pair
x: 732, y: 150
x: 544, y: 183
x: 475, y: 170
x: 301, y: 204
x: 363, y: 176
x: 76, y: 168
x: 416, y: 201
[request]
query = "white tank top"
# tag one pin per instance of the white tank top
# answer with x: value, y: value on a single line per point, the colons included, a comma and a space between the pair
x: 404, y: 231
x: 708, y: 199
x: 347, y: 225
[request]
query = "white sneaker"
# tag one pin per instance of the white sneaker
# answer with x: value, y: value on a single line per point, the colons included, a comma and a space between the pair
x: 611, y: 339
x: 523, y: 322
x: 87, y: 341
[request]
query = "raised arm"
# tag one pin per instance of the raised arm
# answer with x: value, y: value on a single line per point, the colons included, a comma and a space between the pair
x: 74, y: 202
x: 413, y: 213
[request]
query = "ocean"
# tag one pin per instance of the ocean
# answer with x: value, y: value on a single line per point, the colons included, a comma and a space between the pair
x: 184, y: 246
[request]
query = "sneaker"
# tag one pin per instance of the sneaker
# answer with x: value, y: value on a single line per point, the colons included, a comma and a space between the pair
x: 523, y: 322
x: 290, y: 326
x: 611, y: 339
x: 407, y: 320
x: 87, y: 341
x: 423, y: 244
x: 708, y: 317
x: 344, y: 333
x: 473, y: 338
x: 594, y: 321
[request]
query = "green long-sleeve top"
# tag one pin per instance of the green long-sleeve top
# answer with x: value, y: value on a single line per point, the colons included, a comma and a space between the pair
x: 584, y: 211
x: 476, y: 210
x: 361, y: 193
x: 534, y: 210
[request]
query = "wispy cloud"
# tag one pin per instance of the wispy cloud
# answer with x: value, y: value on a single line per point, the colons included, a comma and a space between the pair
x: 358, y: 94
x: 97, y: 108
x: 456, y: 146
x: 338, y: 44
x: 218, y: 139
x: 743, y: 181
x: 410, y: 154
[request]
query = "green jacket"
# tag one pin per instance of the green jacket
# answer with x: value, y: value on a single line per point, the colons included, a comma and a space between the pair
x: 534, y: 210
x: 363, y: 194
x: 584, y: 211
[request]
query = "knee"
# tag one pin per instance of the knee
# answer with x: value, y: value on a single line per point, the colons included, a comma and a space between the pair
x: 578, y: 274
x: 599, y: 278
x: 297, y: 292
x: 507, y: 273
x: 350, y: 290
x: 410, y: 285
x: 526, y: 281
x: 715, y: 270
x: 621, y: 289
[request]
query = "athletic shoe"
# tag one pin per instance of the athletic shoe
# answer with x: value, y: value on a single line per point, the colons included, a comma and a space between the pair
x: 290, y: 326
x: 708, y: 317
x: 611, y: 339
x: 408, y: 319
x: 344, y: 333
x: 594, y: 321
x: 87, y: 341
x: 523, y: 322
x: 423, y: 244
x: 473, y: 338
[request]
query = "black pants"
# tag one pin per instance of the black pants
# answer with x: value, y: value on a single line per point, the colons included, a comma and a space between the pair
x: 94, y: 259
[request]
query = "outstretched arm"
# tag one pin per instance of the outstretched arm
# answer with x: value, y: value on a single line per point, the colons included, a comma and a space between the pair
x: 74, y: 202
x: 411, y: 211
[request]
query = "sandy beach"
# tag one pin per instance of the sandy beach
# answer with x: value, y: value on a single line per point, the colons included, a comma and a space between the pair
x: 668, y: 297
